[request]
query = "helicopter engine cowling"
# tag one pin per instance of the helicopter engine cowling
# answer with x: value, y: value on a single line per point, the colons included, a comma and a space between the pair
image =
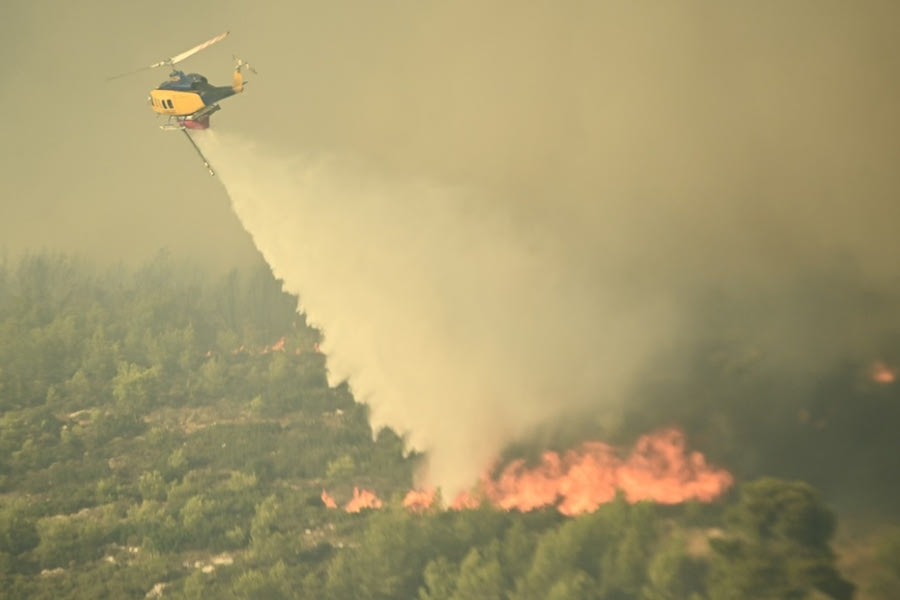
x: 201, y: 123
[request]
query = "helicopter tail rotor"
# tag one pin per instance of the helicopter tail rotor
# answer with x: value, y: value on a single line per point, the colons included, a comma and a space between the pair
x: 239, y: 67
x: 240, y: 63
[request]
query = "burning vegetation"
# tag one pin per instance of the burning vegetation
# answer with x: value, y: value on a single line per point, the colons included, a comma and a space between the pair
x: 658, y: 468
x: 883, y: 373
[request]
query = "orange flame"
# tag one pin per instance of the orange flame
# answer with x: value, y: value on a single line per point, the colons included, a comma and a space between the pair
x: 882, y: 373
x: 362, y: 499
x: 418, y: 500
x: 276, y: 347
x: 659, y: 469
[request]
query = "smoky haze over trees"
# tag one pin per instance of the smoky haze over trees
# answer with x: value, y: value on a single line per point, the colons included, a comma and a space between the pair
x: 526, y: 212
x: 637, y: 161
x: 459, y: 334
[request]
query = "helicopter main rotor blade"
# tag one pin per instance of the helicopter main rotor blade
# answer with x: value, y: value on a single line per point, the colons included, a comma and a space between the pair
x: 126, y: 74
x: 180, y: 57
x: 175, y: 59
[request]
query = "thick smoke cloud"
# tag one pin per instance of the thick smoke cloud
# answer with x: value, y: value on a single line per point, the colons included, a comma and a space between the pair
x: 550, y: 197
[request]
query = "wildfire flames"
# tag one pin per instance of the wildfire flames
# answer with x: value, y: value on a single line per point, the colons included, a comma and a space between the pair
x: 419, y: 499
x: 362, y: 499
x: 659, y: 468
x: 882, y: 373
x: 328, y: 501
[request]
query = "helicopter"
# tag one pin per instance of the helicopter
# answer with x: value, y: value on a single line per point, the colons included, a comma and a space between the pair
x: 188, y: 99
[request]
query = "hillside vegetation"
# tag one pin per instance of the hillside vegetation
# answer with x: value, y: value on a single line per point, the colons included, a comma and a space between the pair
x: 167, y: 433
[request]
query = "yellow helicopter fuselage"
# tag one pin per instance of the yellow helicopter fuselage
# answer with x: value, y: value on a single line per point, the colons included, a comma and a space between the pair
x: 174, y: 102
x: 188, y: 95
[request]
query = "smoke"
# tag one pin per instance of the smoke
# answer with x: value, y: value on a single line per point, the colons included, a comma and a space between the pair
x: 453, y: 324
x: 466, y: 326
x: 553, y: 198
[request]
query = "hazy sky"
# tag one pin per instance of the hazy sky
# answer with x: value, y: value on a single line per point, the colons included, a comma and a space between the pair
x: 550, y: 102
x: 597, y: 164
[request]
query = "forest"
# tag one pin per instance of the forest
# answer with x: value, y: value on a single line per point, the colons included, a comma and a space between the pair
x: 169, y: 432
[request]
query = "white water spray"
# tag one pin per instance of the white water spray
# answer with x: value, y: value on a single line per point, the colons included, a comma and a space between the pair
x: 457, y: 329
